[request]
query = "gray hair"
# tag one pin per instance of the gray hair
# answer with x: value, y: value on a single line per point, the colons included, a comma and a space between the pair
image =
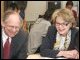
x: 8, y: 13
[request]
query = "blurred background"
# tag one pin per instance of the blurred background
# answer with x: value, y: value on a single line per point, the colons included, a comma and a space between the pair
x: 32, y: 9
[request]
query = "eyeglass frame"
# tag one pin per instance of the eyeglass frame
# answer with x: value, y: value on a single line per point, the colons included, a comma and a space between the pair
x: 62, y: 24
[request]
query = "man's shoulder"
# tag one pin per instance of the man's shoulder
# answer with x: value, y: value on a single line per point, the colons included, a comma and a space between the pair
x: 21, y: 35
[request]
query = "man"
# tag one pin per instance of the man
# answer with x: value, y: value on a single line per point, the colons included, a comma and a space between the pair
x: 20, y: 10
x: 69, y: 5
x: 16, y: 47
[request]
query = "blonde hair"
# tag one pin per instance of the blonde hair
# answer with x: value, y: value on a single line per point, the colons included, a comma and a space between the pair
x: 66, y: 14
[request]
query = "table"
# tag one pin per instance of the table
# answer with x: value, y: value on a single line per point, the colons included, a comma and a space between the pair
x: 38, y: 56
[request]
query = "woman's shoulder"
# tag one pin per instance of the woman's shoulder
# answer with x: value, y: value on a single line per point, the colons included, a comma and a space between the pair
x: 75, y: 31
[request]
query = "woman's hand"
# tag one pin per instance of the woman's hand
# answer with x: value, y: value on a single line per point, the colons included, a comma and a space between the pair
x: 76, y: 54
x: 73, y: 54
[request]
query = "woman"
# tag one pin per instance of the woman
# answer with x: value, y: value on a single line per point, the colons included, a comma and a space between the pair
x: 60, y: 39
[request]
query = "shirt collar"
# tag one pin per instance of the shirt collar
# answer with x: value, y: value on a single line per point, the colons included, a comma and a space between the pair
x: 4, y: 37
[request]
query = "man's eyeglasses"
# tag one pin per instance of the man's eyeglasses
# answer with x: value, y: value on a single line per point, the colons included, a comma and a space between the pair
x: 11, y: 27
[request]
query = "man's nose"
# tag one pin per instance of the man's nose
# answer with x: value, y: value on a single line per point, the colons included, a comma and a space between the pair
x: 14, y: 29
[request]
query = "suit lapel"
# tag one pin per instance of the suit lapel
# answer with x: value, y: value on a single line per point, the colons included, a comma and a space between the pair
x: 13, y: 45
x: 73, y: 33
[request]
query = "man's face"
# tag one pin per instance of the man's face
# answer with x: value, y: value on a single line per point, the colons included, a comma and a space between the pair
x: 12, y: 25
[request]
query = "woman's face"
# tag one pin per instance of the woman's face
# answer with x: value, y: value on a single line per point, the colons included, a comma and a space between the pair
x: 62, y: 26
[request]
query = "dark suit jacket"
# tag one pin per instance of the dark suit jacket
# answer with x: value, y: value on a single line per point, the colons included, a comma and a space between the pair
x: 46, y: 48
x: 18, y: 46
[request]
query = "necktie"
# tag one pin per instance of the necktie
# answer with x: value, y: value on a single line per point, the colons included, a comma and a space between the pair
x: 6, y: 49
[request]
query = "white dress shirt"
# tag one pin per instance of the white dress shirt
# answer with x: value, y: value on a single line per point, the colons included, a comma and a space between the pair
x: 5, y: 37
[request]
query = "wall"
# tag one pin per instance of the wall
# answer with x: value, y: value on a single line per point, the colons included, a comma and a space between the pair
x: 34, y: 8
x: 2, y: 9
x: 63, y: 3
